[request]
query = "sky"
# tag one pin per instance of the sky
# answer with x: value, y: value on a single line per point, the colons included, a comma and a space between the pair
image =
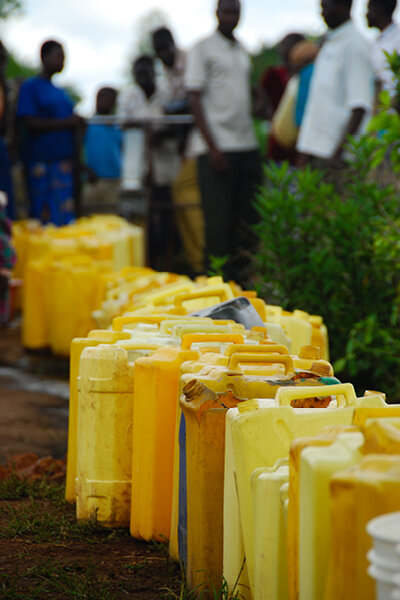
x: 101, y: 36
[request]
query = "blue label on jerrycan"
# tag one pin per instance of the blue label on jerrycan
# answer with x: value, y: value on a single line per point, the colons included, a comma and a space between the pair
x: 182, y: 522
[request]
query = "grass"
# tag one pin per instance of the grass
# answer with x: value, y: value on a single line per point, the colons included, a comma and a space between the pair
x: 37, y: 515
x: 58, y: 582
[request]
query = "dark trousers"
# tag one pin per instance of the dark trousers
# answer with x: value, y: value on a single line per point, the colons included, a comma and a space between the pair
x: 229, y: 213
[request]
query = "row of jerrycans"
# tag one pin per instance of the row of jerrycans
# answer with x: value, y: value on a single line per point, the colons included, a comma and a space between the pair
x: 103, y: 365
x: 311, y: 511
x: 198, y: 498
x: 223, y: 439
x: 105, y: 414
x: 106, y: 361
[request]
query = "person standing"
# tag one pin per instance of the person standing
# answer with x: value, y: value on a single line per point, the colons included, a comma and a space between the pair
x: 185, y: 188
x: 145, y: 101
x: 46, y: 114
x: 6, y: 183
x: 380, y: 15
x: 229, y: 163
x: 341, y: 92
x: 102, y: 146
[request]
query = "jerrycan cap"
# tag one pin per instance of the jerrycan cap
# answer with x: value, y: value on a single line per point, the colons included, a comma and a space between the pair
x: 310, y: 352
x: 192, y: 389
x: 248, y: 406
x: 321, y: 370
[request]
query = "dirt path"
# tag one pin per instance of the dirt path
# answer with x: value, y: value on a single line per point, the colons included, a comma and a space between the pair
x: 44, y: 553
x: 33, y: 404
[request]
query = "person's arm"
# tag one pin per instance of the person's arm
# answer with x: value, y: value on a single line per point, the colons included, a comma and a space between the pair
x: 353, y: 125
x: 216, y: 156
x: 40, y: 124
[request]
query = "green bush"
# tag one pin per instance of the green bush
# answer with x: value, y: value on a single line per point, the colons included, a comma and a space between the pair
x: 329, y: 244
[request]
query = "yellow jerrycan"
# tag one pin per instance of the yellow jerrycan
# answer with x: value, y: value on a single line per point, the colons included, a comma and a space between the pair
x: 105, y: 420
x: 258, y: 303
x: 72, y: 289
x: 350, y: 544
x: 234, y: 561
x: 327, y: 436
x: 317, y: 465
x: 216, y: 377
x: 201, y: 524
x: 270, y: 567
x: 155, y: 403
x: 35, y: 326
x: 298, y: 329
x: 262, y: 436
x: 365, y: 491
x: 204, y: 412
x: 319, y: 335
x: 77, y: 347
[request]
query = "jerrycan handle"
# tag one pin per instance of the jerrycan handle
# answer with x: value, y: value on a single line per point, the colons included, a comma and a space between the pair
x: 192, y: 338
x: 119, y: 322
x: 266, y: 359
x: 285, y: 395
x: 256, y: 349
x: 221, y: 293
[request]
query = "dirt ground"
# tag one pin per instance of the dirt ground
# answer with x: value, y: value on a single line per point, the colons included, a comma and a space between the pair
x: 66, y: 563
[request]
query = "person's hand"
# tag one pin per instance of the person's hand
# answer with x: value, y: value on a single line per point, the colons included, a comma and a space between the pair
x: 218, y: 161
x: 76, y: 122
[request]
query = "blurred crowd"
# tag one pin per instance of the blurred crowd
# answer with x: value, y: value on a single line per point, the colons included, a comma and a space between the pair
x: 201, y: 178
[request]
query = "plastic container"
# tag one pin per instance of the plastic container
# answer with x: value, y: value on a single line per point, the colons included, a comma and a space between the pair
x: 385, y: 533
x: 270, y: 566
x: 204, y: 411
x: 262, y: 436
x: 327, y: 436
x: 203, y: 537
x: 73, y: 290
x: 387, y: 584
x: 77, y: 347
x: 104, y: 444
x: 317, y: 465
x: 319, y: 335
x: 298, y: 329
x: 155, y: 402
x: 365, y: 491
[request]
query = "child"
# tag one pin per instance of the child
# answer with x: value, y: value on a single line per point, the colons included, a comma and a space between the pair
x: 103, y: 155
x: 7, y: 260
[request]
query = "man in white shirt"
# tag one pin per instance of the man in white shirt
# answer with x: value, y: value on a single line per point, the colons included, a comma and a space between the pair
x: 144, y: 100
x: 379, y: 14
x: 229, y: 164
x: 341, y: 93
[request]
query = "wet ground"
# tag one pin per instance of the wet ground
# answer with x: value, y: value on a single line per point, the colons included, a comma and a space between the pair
x: 33, y: 399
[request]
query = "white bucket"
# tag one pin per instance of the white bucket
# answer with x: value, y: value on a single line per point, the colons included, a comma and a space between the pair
x: 386, y: 584
x: 385, y: 532
x: 391, y: 564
